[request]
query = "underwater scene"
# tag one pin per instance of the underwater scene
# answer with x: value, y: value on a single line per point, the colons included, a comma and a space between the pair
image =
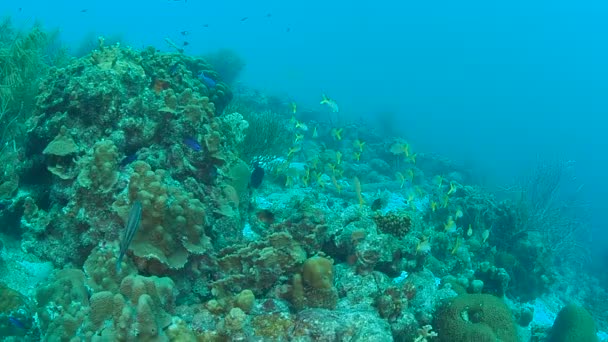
x: 184, y: 171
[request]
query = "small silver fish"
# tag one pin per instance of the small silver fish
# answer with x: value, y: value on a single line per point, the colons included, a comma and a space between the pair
x: 130, y: 229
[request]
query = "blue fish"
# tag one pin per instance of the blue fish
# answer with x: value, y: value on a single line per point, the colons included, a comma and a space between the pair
x: 5, y: 204
x: 16, y: 322
x: 193, y: 144
x: 256, y: 176
x: 207, y: 81
x: 128, y: 159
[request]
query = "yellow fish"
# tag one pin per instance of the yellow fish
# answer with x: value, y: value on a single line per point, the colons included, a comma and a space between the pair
x: 316, y: 176
x: 411, y: 197
x: 424, y: 246
x: 456, y: 246
x: 459, y: 213
x: 338, y: 157
x: 357, y: 156
x: 409, y: 175
x: 330, y: 103
x: 438, y: 180
x: 359, y: 145
x: 433, y: 206
x: 485, y: 235
x: 337, y: 133
x: 339, y: 172
x: 335, y: 181
x: 400, y: 148
x: 412, y: 158
x: 470, y: 231
x: 400, y: 178
x: 314, y: 133
x: 450, y: 225
x: 453, y: 188
x: 332, y: 167
x: 293, y: 150
x: 357, y: 184
x: 306, y: 177
x: 298, y: 138
x: 301, y: 125
x: 446, y: 201
x: 294, y: 107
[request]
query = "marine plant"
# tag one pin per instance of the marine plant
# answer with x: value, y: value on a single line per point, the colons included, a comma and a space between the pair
x: 266, y: 136
x: 228, y: 64
x: 24, y: 60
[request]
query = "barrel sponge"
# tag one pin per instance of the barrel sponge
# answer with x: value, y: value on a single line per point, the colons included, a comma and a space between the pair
x: 573, y: 323
x: 475, y: 317
x: 318, y: 272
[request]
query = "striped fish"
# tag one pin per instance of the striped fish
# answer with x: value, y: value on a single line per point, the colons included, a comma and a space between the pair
x: 130, y: 229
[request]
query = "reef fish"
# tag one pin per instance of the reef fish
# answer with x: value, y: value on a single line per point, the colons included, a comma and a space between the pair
x: 207, y: 81
x: 17, y: 322
x: 193, y: 144
x: 128, y: 159
x: 5, y: 204
x: 130, y: 230
x: 330, y: 103
x: 257, y: 176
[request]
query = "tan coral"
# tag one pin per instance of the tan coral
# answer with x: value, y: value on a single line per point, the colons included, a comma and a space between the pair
x: 249, y: 267
x: 172, y: 224
x: 62, y: 145
x: 59, y: 152
x: 99, y: 170
x: 141, y: 311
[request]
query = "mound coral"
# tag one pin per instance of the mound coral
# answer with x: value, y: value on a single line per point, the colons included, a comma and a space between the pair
x: 573, y: 323
x: 172, y: 224
x: 475, y: 317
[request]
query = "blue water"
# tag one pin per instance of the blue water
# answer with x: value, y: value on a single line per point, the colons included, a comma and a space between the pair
x: 491, y: 85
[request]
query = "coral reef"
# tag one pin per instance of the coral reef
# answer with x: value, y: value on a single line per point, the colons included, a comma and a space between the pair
x: 257, y: 221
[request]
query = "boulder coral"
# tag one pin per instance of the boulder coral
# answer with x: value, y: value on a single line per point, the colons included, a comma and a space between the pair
x: 475, y: 317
